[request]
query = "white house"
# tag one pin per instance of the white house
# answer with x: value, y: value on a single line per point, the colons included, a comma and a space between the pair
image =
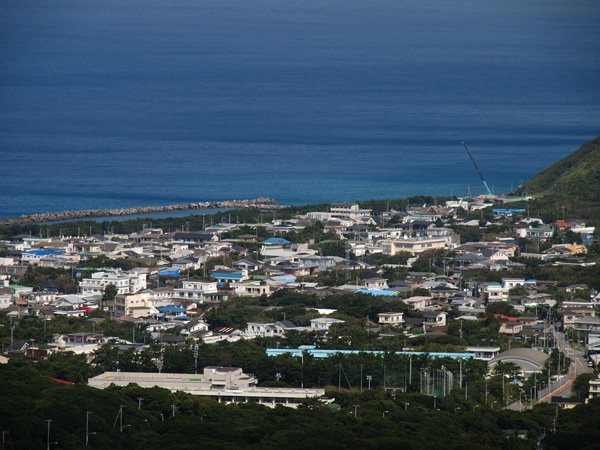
x: 195, y: 290
x: 391, y: 318
x: 251, y: 288
x: 414, y: 245
x: 137, y: 305
x: 418, y: 302
x: 324, y: 323
x: 126, y: 282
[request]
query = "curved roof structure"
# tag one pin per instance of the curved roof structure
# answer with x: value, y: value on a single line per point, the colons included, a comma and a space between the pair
x: 528, y: 359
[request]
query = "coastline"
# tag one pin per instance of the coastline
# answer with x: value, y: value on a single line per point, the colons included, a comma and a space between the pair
x: 262, y: 203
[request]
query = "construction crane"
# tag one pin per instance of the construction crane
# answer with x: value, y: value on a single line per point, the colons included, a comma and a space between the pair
x: 477, y: 168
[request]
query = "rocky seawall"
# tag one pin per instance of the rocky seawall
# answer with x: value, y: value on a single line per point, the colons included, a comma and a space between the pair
x: 261, y: 203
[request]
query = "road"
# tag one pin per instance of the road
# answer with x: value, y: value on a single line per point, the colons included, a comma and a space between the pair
x: 576, y: 356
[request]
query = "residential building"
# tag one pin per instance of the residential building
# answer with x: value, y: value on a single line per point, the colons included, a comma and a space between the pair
x: 126, y: 282
x: 434, y: 319
x: 595, y: 388
x: 418, y: 302
x: 260, y: 329
x: 324, y: 323
x: 196, y: 290
x: 136, y: 305
x: 414, y: 245
x: 251, y: 288
x: 484, y: 353
x: 391, y: 318
x: 349, y: 211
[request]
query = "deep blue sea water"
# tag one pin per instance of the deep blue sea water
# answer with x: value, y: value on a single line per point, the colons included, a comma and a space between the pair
x: 118, y: 103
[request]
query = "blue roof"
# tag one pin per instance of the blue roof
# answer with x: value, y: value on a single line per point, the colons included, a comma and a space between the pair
x: 171, y: 309
x: 44, y: 252
x: 284, y: 278
x: 233, y: 276
x: 375, y: 292
x: 276, y: 241
x: 328, y: 353
x: 169, y: 272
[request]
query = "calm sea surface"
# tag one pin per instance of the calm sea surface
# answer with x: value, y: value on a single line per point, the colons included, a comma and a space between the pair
x: 118, y: 103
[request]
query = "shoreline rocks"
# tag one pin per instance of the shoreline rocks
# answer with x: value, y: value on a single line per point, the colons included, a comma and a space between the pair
x: 262, y: 203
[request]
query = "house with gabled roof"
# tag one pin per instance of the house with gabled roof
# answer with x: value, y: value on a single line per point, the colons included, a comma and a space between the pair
x: 260, y: 329
x: 434, y: 319
x: 324, y: 323
x: 248, y: 264
x: 395, y: 319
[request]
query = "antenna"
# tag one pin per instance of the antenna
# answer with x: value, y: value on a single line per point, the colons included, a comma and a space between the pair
x: 477, y: 168
x: 347, y: 250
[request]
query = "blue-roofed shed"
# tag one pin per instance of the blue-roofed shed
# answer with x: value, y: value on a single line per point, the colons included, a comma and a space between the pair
x: 376, y: 292
x: 275, y: 241
x: 171, y: 309
x: 227, y: 276
x: 169, y: 273
x: 44, y: 252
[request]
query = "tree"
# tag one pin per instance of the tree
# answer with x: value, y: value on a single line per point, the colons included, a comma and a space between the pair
x: 581, y: 384
x: 66, y: 366
x: 110, y: 292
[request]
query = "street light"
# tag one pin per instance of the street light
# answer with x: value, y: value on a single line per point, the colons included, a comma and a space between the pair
x: 87, y: 427
x: 48, y: 436
x: 384, y: 413
x: 369, y: 378
x: 195, y: 352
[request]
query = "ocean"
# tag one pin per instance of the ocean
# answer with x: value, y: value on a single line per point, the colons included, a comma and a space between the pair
x: 116, y: 104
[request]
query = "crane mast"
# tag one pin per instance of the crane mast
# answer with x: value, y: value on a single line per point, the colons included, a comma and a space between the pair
x: 477, y: 168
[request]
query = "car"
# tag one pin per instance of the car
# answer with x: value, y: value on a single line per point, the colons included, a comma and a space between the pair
x: 590, y: 363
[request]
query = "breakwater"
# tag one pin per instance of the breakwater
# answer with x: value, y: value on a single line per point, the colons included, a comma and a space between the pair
x: 260, y: 203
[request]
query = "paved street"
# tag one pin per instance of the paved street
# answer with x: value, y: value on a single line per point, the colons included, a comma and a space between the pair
x: 576, y: 356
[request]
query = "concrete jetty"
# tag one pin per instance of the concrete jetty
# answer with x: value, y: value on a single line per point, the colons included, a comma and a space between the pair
x: 257, y: 203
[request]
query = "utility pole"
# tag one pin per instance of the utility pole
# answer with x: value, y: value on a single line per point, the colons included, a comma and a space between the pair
x: 48, y: 435
x: 361, y: 380
x: 195, y: 352
x: 4, y: 432
x: 87, y: 427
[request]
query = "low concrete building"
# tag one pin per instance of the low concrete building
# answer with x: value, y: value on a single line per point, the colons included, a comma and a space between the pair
x: 223, y: 384
x: 528, y: 359
x: 484, y: 353
x: 391, y: 318
x: 594, y: 388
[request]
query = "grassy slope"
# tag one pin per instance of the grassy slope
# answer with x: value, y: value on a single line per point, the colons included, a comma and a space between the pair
x: 573, y: 182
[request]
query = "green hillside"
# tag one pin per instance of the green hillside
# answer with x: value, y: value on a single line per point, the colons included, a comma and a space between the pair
x: 573, y: 182
x: 575, y: 176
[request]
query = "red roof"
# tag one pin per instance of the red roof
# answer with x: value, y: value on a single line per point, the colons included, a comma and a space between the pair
x: 502, y: 316
x: 57, y: 380
x: 226, y: 330
x: 563, y: 224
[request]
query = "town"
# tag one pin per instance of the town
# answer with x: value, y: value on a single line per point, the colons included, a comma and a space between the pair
x: 458, y: 303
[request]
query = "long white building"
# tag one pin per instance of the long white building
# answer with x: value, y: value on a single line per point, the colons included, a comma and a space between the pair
x: 126, y: 282
x: 223, y: 384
